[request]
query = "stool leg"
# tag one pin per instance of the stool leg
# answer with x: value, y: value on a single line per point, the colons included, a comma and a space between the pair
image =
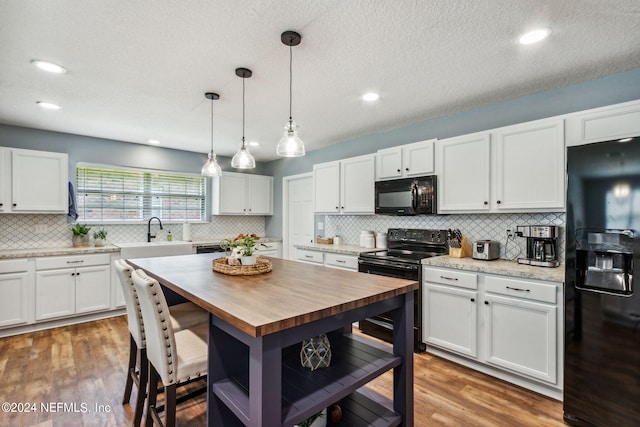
x: 142, y: 387
x: 152, y: 393
x: 133, y: 352
x: 170, y: 406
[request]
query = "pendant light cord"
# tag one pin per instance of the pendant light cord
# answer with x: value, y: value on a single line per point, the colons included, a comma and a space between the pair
x: 212, y: 125
x: 243, y: 78
x: 290, y: 80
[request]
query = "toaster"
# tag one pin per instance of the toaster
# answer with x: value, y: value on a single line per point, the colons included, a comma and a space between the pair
x: 486, y: 250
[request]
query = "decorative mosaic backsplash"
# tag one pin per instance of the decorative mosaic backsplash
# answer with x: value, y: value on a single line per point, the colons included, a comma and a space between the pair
x: 473, y: 227
x: 52, y: 231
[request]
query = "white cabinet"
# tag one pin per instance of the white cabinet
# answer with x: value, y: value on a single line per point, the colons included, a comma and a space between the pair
x: 16, y: 277
x: 33, y: 181
x: 504, y: 326
x: 328, y: 259
x: 450, y: 318
x: 242, y: 194
x: 517, y: 168
x: 345, y: 186
x: 271, y: 249
x: 604, y: 124
x: 71, y: 285
x: 520, y: 319
x: 405, y: 161
x: 465, y: 173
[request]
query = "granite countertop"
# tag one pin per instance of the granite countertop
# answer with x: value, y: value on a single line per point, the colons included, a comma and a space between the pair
x: 62, y: 251
x: 499, y: 266
x: 336, y: 249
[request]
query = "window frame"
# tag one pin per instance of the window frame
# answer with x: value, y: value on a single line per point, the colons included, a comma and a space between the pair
x: 146, y: 209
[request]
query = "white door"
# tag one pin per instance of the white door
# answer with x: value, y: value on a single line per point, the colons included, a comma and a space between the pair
x: 418, y: 158
x: 39, y: 181
x: 232, y: 193
x: 326, y: 187
x: 93, y: 291
x: 55, y: 293
x: 14, y: 288
x: 450, y: 319
x: 5, y: 179
x: 260, y: 189
x: 389, y: 163
x: 357, y: 190
x: 298, y: 219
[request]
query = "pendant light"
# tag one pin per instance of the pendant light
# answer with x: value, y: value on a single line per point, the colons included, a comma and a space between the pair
x: 243, y: 158
x: 290, y: 145
x: 211, y: 168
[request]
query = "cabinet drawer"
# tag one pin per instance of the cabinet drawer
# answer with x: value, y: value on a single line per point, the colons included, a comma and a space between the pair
x: 46, y: 263
x: 545, y: 292
x: 14, y: 266
x: 310, y: 256
x: 451, y: 278
x: 343, y: 261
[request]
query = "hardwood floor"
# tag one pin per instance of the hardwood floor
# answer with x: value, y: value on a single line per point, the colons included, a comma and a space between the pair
x: 74, y: 376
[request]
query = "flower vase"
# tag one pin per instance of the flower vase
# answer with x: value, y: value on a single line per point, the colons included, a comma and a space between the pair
x: 248, y: 260
x: 98, y: 243
x: 316, y: 352
x: 80, y: 241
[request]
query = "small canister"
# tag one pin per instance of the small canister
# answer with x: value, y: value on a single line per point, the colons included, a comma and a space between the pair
x: 381, y: 240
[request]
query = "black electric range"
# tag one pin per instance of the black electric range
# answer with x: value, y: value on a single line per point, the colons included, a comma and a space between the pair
x: 406, y: 249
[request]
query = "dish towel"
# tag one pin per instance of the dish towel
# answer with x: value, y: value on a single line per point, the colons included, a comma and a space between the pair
x: 72, y: 202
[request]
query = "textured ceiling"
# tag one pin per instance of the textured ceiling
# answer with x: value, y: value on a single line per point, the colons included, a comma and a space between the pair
x: 139, y: 69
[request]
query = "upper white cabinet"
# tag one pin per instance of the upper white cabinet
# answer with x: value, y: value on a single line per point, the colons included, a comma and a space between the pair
x: 405, y: 161
x: 242, y: 194
x: 604, y: 124
x: 517, y: 168
x: 345, y: 186
x: 33, y: 181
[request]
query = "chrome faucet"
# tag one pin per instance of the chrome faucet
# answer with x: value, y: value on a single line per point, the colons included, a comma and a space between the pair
x: 149, y: 235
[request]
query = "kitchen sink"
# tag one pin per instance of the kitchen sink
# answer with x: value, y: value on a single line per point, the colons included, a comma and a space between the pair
x: 154, y: 249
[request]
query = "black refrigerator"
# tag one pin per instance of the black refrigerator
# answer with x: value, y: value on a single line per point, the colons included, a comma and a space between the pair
x: 602, y: 285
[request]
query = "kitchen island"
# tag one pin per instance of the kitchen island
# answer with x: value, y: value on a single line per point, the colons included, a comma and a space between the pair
x: 257, y: 324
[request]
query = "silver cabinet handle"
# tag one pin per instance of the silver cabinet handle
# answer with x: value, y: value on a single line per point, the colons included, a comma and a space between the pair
x: 448, y: 278
x: 308, y: 256
x: 75, y: 262
x: 518, y: 289
x: 341, y: 260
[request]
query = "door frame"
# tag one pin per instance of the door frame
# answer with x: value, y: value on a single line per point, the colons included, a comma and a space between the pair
x: 285, y: 210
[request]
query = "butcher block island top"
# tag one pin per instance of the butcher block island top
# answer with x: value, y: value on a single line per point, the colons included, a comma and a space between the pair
x: 292, y: 294
x: 256, y: 328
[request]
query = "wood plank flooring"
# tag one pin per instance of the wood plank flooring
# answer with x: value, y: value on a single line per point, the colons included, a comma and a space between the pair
x: 75, y: 377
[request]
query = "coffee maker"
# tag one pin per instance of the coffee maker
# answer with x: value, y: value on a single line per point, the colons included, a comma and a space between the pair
x: 542, y: 245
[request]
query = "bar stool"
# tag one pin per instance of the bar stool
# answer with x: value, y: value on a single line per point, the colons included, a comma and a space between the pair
x: 183, y: 316
x: 175, y: 357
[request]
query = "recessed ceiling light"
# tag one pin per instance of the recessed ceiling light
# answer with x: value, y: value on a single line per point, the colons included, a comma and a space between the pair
x: 49, y: 66
x: 371, y: 96
x: 154, y: 142
x: 534, y: 36
x: 254, y: 143
x: 48, y: 105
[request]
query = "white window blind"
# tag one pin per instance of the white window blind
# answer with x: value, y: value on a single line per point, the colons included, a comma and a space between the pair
x: 129, y: 195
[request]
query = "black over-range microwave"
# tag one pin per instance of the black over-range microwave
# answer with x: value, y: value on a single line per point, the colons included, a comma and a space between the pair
x: 407, y: 196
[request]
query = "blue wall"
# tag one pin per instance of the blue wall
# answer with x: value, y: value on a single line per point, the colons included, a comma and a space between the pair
x: 608, y: 90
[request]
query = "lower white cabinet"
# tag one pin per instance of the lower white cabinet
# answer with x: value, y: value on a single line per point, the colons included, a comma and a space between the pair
x: 16, y: 277
x: 71, y: 285
x: 328, y: 259
x: 504, y: 326
x: 271, y: 249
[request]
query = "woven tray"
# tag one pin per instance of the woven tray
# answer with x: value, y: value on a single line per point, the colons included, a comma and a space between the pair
x: 262, y: 266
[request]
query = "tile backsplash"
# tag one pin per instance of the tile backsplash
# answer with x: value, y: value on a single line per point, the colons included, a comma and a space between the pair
x: 52, y: 231
x: 473, y: 227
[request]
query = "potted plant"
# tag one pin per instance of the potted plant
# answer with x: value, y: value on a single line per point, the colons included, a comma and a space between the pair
x: 243, y: 247
x: 80, y: 237
x: 99, y: 237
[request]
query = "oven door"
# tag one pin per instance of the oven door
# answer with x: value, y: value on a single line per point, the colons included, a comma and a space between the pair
x: 381, y: 326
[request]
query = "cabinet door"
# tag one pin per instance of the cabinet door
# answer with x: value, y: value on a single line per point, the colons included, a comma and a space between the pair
x: 260, y: 192
x: 232, y: 193
x: 464, y: 169
x: 521, y: 336
x: 14, y: 288
x: 5, y: 180
x: 389, y: 163
x: 326, y: 187
x: 55, y: 293
x: 39, y: 181
x: 529, y: 164
x: 604, y: 124
x: 358, y: 185
x: 450, y: 319
x: 93, y: 288
x: 418, y: 158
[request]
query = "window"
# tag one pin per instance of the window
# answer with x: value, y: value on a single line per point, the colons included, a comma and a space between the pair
x: 133, y: 195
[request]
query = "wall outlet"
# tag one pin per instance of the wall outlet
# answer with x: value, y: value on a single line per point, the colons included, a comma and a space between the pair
x: 320, y: 226
x: 509, y: 233
x: 41, y: 229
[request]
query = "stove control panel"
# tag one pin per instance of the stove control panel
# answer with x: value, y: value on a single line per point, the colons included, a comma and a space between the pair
x: 418, y: 235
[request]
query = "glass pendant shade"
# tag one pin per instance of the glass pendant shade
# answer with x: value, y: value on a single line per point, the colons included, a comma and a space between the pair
x: 243, y: 159
x: 211, y: 168
x: 290, y: 145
